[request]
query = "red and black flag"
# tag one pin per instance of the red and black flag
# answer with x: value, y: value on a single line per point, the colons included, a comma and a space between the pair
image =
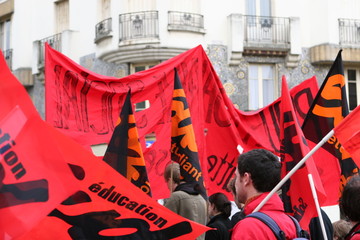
x: 329, y: 108
x: 124, y: 151
x: 183, y: 145
x: 296, y: 192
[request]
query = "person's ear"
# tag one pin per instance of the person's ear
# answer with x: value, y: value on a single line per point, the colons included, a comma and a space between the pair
x: 247, y: 178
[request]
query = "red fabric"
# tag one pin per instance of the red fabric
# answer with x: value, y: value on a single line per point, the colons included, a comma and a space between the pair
x: 34, y: 178
x: 107, y: 205
x: 296, y: 192
x: 46, y: 154
x: 348, y: 133
x: 261, y: 128
x: 85, y: 105
x: 329, y: 108
x: 252, y: 228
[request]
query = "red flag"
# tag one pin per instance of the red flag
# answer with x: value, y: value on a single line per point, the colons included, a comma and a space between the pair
x: 124, y: 151
x: 296, y: 192
x: 108, y: 206
x: 34, y: 178
x: 348, y: 133
x: 261, y: 128
x: 334, y: 163
x: 183, y: 145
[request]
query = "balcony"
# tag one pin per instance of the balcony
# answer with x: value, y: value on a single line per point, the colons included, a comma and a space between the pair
x: 138, y: 27
x: 103, y: 30
x: 266, y: 33
x: 183, y: 21
x: 349, y: 32
x: 54, y: 41
x: 8, y: 57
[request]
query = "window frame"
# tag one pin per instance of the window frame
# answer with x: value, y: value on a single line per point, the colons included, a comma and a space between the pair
x: 260, y: 86
x: 356, y: 81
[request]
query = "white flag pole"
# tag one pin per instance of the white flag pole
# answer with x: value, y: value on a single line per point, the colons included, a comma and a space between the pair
x: 312, y: 185
x: 295, y: 168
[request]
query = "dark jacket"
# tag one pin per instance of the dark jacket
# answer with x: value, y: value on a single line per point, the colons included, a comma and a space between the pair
x: 315, y: 227
x: 223, y: 226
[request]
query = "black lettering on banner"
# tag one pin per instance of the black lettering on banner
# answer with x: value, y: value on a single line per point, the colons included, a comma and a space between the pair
x: 221, y: 170
x: 291, y: 149
x: 69, y: 87
x: 91, y: 225
x: 274, y: 111
x: 59, y: 121
x: 83, y: 101
x: 299, y: 209
x: 155, y: 159
x: 306, y: 92
x: 215, y: 103
x: 18, y: 193
x: 160, y: 95
x: 69, y: 101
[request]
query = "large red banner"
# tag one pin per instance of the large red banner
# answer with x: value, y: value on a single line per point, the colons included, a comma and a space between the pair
x: 108, y: 206
x: 34, y: 178
x: 51, y: 185
x: 85, y: 105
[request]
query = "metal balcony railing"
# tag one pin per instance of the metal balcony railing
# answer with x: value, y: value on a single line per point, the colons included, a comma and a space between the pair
x: 8, y: 57
x: 54, y: 41
x: 103, y: 29
x: 139, y: 25
x: 349, y: 31
x: 266, y: 30
x: 185, y: 21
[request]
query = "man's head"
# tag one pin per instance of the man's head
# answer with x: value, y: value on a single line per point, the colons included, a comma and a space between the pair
x: 257, y: 171
x: 350, y: 199
x: 172, y: 175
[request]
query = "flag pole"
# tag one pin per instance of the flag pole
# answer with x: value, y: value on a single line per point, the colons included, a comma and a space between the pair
x: 312, y: 185
x: 295, y: 168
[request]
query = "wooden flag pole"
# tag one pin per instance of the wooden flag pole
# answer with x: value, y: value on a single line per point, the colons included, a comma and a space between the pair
x: 295, y: 168
x: 313, y: 190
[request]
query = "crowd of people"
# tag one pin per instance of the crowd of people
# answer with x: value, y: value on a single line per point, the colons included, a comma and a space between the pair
x: 257, y: 173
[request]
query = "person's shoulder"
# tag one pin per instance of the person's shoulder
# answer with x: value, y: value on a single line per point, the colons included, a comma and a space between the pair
x: 179, y: 195
x: 249, y: 228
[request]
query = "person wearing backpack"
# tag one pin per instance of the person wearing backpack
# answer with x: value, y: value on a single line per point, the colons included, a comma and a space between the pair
x: 257, y: 173
x: 350, y: 203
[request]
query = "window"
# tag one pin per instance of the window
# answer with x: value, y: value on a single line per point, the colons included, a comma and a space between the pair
x: 352, y: 88
x: 137, y: 68
x: 258, y: 8
x: 5, y: 31
x: 261, y: 85
x: 61, y: 16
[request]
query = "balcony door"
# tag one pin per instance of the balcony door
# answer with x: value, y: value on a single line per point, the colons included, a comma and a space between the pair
x: 258, y: 21
x: 262, y: 85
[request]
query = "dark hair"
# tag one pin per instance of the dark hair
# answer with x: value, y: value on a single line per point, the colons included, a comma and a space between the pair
x: 263, y: 166
x: 221, y: 202
x: 350, y: 199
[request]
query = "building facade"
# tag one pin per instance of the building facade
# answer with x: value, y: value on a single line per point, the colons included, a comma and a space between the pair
x: 251, y: 43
